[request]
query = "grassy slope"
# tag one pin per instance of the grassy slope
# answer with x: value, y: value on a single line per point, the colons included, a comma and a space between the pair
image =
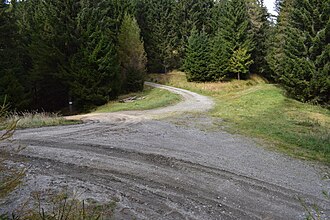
x: 258, y: 109
x: 150, y: 98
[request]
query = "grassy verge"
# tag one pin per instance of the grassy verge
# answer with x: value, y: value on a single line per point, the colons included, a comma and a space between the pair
x: 262, y: 110
x: 150, y: 98
x: 35, y: 120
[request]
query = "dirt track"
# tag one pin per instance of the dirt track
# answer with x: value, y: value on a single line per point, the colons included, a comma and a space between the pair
x: 161, y: 164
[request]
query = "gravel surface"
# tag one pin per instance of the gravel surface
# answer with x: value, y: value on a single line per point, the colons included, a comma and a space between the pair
x: 169, y: 164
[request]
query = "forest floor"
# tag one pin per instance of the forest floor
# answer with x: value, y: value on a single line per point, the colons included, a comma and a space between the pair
x: 174, y: 162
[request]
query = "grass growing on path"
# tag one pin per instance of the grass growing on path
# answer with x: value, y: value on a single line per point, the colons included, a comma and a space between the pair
x: 150, y: 98
x: 262, y: 110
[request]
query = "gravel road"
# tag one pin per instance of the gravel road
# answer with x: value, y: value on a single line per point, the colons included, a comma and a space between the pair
x: 169, y: 163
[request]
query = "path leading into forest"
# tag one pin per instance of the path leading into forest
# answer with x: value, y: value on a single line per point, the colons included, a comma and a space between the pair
x: 192, y: 102
x: 160, y: 164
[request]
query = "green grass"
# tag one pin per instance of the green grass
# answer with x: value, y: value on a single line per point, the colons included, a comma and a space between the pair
x: 255, y: 108
x: 150, y: 98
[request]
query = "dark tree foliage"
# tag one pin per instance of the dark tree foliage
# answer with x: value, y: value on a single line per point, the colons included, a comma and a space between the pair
x: 188, y: 14
x: 49, y: 27
x: 158, y: 30
x: 166, y: 26
x: 232, y: 44
x: 87, y: 51
x: 277, y: 6
x: 276, y: 56
x: 215, y: 19
x: 60, y: 51
x: 304, y: 67
x: 196, y: 62
x: 260, y: 27
x: 94, y: 76
x: 132, y: 56
x: 12, y: 71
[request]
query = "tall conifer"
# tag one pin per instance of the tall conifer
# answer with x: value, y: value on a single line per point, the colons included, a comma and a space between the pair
x: 306, y: 73
x: 232, y: 38
x: 260, y: 28
x: 95, y: 67
x: 132, y: 56
x: 196, y: 62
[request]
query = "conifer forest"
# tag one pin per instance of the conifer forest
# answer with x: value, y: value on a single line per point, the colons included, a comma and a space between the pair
x: 88, y: 52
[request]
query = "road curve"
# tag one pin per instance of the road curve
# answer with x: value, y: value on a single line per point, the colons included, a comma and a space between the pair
x: 182, y: 167
x: 192, y: 102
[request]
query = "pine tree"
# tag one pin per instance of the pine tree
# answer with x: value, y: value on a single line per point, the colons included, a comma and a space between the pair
x: 216, y: 13
x: 157, y: 23
x: 232, y: 37
x: 132, y: 56
x: 72, y: 46
x: 260, y: 27
x: 188, y: 14
x: 196, y: 62
x: 94, y: 69
x: 275, y: 55
x: 220, y: 54
x: 306, y: 65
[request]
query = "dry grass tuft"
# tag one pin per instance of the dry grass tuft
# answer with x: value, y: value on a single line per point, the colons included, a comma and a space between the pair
x: 36, y: 119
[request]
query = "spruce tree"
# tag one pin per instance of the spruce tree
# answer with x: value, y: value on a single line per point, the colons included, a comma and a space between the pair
x: 260, y: 28
x: 157, y: 22
x: 196, y: 62
x: 232, y: 38
x: 132, y: 56
x: 94, y: 69
x: 306, y: 50
x: 275, y: 55
x: 73, y: 51
x: 220, y: 54
x: 188, y: 14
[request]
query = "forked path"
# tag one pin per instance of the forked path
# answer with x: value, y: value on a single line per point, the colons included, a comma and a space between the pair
x: 192, y: 102
x: 179, y: 167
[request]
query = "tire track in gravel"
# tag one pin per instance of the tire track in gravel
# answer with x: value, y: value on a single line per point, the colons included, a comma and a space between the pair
x: 156, y: 169
x: 133, y: 169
